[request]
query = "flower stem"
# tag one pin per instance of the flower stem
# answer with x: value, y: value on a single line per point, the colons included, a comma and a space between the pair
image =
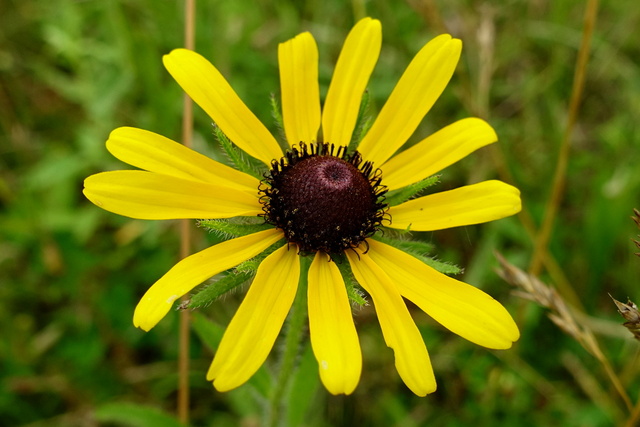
x: 295, y: 327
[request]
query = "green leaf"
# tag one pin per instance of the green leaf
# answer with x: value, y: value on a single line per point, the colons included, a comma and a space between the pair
x: 130, y: 414
x: 239, y: 158
x: 210, y: 333
x: 405, y: 244
x: 231, y: 279
x: 304, y: 387
x: 251, y: 265
x: 277, y: 117
x: 420, y: 249
x: 354, y: 292
x: 442, y: 266
x: 401, y: 195
x: 363, y: 123
x: 234, y: 227
x: 207, y: 294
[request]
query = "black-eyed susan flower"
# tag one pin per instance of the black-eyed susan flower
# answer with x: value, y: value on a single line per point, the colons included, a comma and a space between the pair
x: 322, y: 200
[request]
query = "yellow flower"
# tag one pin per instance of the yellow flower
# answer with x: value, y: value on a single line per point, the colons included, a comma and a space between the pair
x: 323, y: 202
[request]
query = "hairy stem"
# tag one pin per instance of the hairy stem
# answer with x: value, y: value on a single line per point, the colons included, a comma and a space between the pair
x: 295, y: 328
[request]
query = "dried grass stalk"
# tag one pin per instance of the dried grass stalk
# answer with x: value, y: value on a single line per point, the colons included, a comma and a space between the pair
x: 531, y: 288
x: 631, y: 314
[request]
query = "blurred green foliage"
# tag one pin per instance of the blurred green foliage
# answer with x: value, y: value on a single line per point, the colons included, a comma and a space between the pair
x: 71, y: 274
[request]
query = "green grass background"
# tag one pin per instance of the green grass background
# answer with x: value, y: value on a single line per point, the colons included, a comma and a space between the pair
x: 71, y: 274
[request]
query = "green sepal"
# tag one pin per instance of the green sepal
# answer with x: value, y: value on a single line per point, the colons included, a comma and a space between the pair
x: 420, y: 250
x: 401, y: 195
x: 443, y: 267
x: 363, y: 123
x: 276, y: 113
x: 229, y: 280
x: 400, y: 240
x: 215, y: 290
x: 354, y: 292
x: 234, y: 227
x: 241, y: 160
x: 251, y: 265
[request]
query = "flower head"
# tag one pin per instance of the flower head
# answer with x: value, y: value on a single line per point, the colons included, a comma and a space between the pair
x: 323, y: 200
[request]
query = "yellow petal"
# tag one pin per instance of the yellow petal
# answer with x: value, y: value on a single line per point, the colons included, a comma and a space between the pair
x: 459, y: 307
x: 353, y: 69
x: 148, y: 195
x: 398, y: 328
x: 333, y: 335
x: 471, y: 204
x: 250, y: 336
x: 437, y: 151
x: 209, y: 89
x: 195, y: 269
x: 155, y: 153
x: 298, y: 59
x: 414, y: 95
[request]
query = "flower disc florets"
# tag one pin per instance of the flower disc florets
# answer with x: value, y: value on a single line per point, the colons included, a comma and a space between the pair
x: 323, y: 199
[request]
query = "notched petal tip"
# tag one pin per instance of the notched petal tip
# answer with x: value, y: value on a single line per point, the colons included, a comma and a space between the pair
x: 221, y: 385
x: 304, y: 36
x: 426, y: 390
x: 368, y: 21
x: 510, y: 331
x: 178, y: 51
x: 147, y: 315
x: 175, y: 56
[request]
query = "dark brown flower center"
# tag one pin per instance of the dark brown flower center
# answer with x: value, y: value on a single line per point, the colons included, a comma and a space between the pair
x: 321, y: 201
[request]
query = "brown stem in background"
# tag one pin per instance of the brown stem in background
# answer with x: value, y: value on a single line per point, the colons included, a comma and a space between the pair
x: 636, y: 219
x: 559, y: 178
x: 185, y: 233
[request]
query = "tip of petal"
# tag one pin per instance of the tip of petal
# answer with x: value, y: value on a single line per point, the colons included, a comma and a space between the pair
x: 425, y: 391
x: 338, y: 383
x: 147, y: 315
x: 178, y: 51
x: 512, y: 334
x: 367, y: 20
x: 302, y: 36
x: 368, y: 25
x: 503, y: 336
x: 448, y: 42
x: 224, y: 387
x: 138, y: 323
x: 176, y: 56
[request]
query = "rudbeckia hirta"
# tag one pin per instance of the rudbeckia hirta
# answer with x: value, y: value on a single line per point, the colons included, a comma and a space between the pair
x: 323, y: 199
